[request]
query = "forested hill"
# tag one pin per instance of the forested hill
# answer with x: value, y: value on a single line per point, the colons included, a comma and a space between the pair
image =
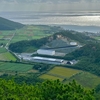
x: 89, y: 58
x: 6, y: 24
x: 48, y: 90
x: 22, y: 46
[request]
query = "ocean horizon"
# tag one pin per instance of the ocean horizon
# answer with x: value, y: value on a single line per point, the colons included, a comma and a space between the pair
x: 79, y: 21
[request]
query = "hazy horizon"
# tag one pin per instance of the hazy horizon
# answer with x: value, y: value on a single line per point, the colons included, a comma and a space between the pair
x: 52, y: 12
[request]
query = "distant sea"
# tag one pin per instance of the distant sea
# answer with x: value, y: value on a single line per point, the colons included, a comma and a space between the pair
x: 79, y: 21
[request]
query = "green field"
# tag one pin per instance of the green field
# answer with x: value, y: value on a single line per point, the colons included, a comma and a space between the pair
x: 60, y: 73
x: 25, y: 33
x: 7, y: 56
x: 66, y: 75
x: 46, y: 76
x: 28, y: 32
x: 97, y: 38
x: 3, y: 50
x: 86, y: 79
x: 5, y: 66
x: 63, y: 72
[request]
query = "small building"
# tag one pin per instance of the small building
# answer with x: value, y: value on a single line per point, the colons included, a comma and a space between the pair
x: 73, y: 43
x: 46, y: 52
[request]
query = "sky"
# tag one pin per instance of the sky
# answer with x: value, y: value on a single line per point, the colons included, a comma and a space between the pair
x: 49, y: 5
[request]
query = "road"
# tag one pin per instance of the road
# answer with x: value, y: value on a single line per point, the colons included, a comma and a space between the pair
x: 7, y: 44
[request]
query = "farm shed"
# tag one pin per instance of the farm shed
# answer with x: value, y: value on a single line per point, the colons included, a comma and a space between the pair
x: 73, y: 43
x: 46, y: 52
x: 48, y: 59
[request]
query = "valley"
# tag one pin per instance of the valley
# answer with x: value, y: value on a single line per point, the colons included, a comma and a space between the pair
x: 29, y: 39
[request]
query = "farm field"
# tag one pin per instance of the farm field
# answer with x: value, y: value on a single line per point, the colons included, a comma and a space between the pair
x: 7, y: 56
x: 3, y: 50
x: 86, y: 79
x: 28, y: 32
x: 66, y: 75
x: 97, y: 38
x: 13, y: 67
x: 60, y: 73
x: 63, y: 72
x: 46, y: 76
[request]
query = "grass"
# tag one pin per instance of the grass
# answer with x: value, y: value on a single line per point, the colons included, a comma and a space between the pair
x: 64, y: 72
x: 5, y: 66
x: 46, y: 76
x: 7, y: 56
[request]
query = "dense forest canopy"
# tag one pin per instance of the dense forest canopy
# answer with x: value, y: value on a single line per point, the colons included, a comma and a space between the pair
x: 48, y: 90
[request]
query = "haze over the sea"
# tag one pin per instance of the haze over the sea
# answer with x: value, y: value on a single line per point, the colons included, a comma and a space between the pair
x: 74, y: 13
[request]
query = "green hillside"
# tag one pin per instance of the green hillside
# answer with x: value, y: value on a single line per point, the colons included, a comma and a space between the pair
x: 89, y: 58
x: 22, y: 46
x: 6, y: 24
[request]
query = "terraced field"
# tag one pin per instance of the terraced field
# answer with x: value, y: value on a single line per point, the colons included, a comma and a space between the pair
x: 6, y: 66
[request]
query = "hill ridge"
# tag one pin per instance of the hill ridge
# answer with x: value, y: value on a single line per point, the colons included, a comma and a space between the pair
x: 6, y: 24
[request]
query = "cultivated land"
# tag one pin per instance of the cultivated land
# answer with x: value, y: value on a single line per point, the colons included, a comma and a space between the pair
x: 26, y: 33
x: 86, y: 79
x: 60, y: 73
x: 3, y: 50
x: 46, y: 76
x: 97, y: 38
x: 6, y: 56
x: 66, y: 75
x: 63, y: 72
x: 13, y: 67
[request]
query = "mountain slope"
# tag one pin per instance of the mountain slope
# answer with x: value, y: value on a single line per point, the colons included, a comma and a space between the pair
x: 6, y: 24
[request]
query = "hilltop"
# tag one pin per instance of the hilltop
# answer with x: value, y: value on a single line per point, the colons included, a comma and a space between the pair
x: 6, y: 24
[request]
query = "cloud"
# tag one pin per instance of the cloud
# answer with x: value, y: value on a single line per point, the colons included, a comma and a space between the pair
x: 49, y: 5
